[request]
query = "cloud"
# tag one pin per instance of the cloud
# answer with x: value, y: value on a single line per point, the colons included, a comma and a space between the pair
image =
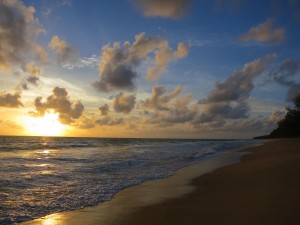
x: 167, y: 108
x: 124, y: 103
x: 276, y: 116
x: 228, y: 99
x: 85, y: 123
x: 248, y: 125
x: 60, y: 102
x: 265, y: 124
x: 32, y: 69
x: 239, y: 125
x: 251, y: 126
x: 10, y: 100
x: 41, y: 54
x: 108, y: 121
x: 10, y: 124
x: 180, y: 111
x: 287, y: 74
x: 162, y: 57
x: 228, y: 110
x: 32, y: 80
x: 174, y: 9
x: 265, y: 33
x: 49, y: 10
x: 65, y: 53
x: 159, y: 98
x: 239, y: 85
x: 19, y: 29
x: 85, y: 62
x: 104, y: 109
x: 293, y: 91
x: 88, y: 123
x: 32, y: 73
x: 286, y: 70
x: 119, y: 63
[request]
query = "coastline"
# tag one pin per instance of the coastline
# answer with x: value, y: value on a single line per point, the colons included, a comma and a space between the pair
x: 132, y: 199
x: 263, y: 189
x: 232, y: 188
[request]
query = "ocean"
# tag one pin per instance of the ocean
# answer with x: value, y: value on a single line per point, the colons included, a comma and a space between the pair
x: 44, y: 175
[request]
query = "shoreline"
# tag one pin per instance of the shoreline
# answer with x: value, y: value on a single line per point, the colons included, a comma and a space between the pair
x: 264, y: 189
x: 132, y: 199
x: 232, y: 188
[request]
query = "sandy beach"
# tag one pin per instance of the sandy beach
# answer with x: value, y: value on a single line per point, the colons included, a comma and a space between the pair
x: 262, y: 189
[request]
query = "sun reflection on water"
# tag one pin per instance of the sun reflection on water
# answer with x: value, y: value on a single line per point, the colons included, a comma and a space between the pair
x: 45, y: 152
x: 43, y: 165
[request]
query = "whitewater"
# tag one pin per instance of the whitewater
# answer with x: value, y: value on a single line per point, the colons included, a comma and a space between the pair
x: 44, y: 175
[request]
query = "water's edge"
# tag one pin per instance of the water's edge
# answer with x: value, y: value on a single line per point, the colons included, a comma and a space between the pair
x: 43, y: 176
x: 145, y: 194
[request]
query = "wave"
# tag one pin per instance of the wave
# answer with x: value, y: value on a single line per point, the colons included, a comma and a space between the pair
x: 39, y: 176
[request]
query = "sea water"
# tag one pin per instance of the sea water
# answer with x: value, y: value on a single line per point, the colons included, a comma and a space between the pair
x: 44, y: 175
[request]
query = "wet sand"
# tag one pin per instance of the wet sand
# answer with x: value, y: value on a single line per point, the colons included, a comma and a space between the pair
x: 264, y: 189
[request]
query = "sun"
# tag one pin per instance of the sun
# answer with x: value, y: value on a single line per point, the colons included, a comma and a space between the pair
x: 48, y: 125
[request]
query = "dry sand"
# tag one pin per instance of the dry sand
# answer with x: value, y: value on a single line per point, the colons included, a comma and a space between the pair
x: 262, y: 190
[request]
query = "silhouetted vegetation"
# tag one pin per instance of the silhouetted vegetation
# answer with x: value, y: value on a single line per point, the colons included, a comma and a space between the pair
x: 289, y: 127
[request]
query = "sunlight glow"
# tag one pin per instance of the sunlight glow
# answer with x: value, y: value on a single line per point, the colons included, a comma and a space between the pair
x: 45, y: 151
x: 53, y: 219
x: 48, y: 125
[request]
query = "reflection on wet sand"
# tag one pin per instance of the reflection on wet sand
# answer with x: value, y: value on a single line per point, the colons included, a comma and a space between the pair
x: 53, y: 219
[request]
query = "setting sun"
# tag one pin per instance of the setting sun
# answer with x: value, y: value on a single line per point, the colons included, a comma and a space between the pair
x: 48, y: 125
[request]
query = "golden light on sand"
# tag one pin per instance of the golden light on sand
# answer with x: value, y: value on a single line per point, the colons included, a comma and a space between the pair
x: 53, y: 219
x: 48, y: 125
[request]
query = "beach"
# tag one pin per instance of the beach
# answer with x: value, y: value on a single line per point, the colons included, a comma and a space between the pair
x: 262, y: 189
x: 46, y: 176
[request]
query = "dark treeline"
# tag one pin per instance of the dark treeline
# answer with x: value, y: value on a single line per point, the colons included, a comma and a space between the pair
x: 289, y: 127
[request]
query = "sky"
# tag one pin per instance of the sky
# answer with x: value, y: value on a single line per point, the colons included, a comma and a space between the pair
x: 147, y: 68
